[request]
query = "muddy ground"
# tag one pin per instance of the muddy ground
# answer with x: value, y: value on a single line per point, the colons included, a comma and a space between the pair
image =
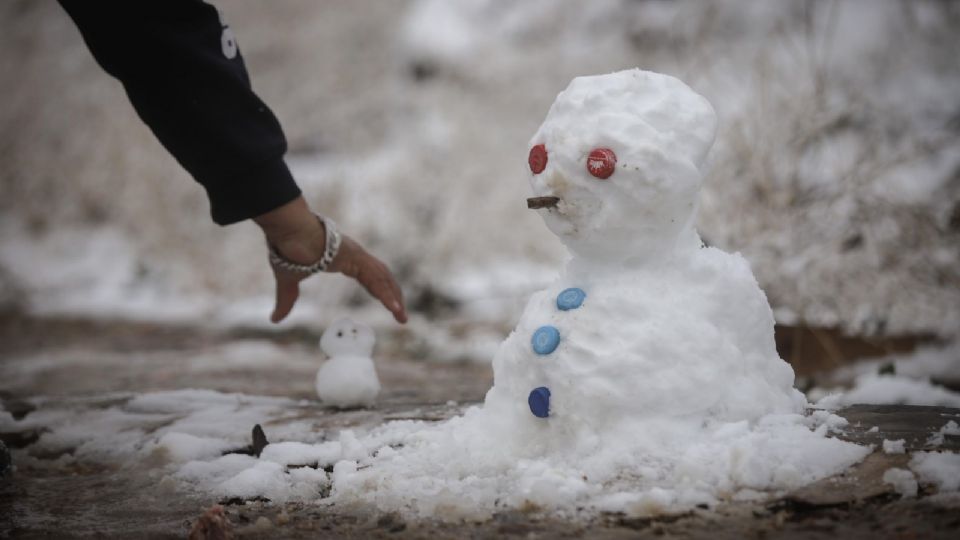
x: 72, y: 359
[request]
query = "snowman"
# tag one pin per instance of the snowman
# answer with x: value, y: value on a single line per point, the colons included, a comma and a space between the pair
x: 347, y: 378
x: 645, y: 323
x: 646, y: 377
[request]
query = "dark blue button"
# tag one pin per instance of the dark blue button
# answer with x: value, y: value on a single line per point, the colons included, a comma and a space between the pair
x: 570, y: 298
x: 539, y: 402
x: 545, y: 339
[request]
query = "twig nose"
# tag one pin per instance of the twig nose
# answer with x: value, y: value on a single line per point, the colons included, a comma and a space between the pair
x: 535, y: 203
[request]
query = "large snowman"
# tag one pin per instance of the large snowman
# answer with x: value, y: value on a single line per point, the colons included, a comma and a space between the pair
x: 646, y: 379
x: 645, y: 322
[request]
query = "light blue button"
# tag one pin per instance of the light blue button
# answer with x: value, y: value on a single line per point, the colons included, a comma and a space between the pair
x: 539, y: 402
x: 571, y: 298
x: 545, y: 340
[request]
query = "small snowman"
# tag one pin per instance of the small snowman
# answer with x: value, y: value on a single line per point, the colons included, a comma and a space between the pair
x: 348, y: 377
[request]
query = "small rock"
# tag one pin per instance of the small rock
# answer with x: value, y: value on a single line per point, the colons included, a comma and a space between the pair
x: 259, y: 440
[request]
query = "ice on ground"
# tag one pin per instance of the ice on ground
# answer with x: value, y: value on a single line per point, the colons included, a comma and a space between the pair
x: 903, y: 481
x: 941, y: 469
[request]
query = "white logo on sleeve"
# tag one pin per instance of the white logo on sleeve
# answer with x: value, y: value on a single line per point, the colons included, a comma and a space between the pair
x: 228, y: 41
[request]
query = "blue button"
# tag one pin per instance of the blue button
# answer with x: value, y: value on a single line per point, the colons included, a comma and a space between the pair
x: 545, y: 339
x: 539, y: 402
x: 570, y: 298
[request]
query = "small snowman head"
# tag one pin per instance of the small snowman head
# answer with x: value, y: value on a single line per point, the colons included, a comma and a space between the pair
x: 347, y: 338
x: 615, y: 164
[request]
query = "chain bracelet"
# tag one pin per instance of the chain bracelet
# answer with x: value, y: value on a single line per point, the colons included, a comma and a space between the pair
x: 331, y: 247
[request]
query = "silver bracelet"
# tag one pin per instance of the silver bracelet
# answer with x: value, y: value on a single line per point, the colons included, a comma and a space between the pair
x: 330, y: 250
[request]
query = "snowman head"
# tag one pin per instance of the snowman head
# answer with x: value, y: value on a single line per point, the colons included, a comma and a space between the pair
x: 616, y: 164
x: 347, y: 338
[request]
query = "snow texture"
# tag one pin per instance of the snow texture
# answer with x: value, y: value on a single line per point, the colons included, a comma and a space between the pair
x: 894, y: 447
x: 936, y: 362
x: 891, y: 389
x: 941, y: 469
x: 913, y: 381
x: 903, y: 481
x: 950, y: 428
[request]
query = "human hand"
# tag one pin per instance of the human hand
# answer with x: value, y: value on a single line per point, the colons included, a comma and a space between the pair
x: 300, y: 237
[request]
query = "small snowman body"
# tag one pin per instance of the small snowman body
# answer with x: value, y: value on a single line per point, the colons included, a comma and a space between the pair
x: 348, y: 378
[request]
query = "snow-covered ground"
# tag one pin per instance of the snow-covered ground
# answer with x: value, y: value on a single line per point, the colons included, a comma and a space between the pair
x: 834, y: 173
x: 424, y: 469
x: 397, y: 455
x: 917, y: 378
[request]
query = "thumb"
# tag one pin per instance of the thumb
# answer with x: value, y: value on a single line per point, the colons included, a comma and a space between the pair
x: 288, y: 290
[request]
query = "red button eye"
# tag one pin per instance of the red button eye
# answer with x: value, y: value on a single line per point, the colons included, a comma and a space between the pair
x: 601, y: 162
x: 537, y: 159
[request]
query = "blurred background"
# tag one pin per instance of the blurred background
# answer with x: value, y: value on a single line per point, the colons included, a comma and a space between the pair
x: 836, y: 170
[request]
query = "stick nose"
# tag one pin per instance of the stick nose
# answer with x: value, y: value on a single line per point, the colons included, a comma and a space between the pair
x: 535, y: 203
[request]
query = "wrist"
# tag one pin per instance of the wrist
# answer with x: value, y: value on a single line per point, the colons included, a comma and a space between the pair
x: 294, y: 231
x: 293, y: 219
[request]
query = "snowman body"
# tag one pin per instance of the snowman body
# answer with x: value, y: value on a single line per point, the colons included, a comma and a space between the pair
x: 645, y: 323
x: 348, y: 378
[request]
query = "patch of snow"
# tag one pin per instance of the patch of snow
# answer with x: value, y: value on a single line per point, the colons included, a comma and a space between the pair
x: 889, y: 389
x: 937, y: 362
x: 298, y: 453
x: 941, y: 469
x: 894, y: 447
x: 950, y: 428
x: 186, y: 447
x: 469, y: 466
x: 903, y: 481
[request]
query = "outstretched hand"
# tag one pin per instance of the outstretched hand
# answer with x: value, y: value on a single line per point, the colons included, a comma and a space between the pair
x: 353, y: 261
x: 297, y: 234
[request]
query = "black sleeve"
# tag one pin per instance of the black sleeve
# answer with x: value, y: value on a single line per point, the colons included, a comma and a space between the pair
x: 183, y: 72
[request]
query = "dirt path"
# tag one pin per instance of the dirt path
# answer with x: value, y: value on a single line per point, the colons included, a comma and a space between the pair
x: 85, y: 363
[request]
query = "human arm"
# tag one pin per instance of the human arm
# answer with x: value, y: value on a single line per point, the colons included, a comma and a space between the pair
x: 183, y: 72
